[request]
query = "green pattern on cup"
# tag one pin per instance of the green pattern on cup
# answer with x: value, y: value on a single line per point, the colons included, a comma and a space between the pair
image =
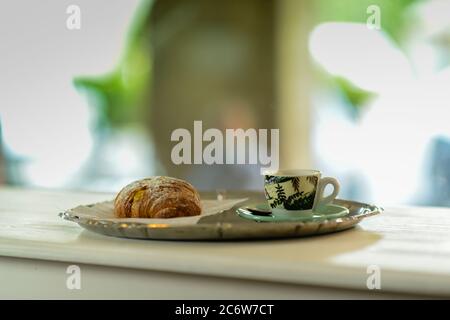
x: 291, y: 193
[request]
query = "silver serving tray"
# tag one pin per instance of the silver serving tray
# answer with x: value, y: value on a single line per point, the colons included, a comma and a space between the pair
x: 228, y: 225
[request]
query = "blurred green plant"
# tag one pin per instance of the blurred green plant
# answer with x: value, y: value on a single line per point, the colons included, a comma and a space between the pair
x: 394, y: 21
x: 355, y: 96
x: 394, y: 16
x: 120, y: 94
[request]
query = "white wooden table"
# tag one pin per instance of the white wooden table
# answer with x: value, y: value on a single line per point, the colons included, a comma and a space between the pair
x: 409, y: 245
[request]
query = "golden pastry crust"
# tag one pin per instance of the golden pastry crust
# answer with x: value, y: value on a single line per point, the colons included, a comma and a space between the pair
x: 157, y: 197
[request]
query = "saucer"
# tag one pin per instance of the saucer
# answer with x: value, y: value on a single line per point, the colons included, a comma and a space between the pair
x: 327, y: 212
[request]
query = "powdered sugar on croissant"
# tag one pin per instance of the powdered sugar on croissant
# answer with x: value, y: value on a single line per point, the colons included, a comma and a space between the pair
x: 157, y: 197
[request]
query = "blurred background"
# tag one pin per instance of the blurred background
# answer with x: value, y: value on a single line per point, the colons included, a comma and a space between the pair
x: 93, y: 108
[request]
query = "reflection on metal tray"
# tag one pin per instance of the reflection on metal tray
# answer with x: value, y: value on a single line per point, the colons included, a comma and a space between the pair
x: 228, y: 225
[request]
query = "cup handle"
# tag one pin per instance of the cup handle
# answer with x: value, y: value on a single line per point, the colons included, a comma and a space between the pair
x: 323, y: 201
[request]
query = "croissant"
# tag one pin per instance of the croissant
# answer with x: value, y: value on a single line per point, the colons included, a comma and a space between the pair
x: 157, y: 197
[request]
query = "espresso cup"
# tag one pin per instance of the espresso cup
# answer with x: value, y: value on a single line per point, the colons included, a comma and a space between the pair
x: 292, y: 193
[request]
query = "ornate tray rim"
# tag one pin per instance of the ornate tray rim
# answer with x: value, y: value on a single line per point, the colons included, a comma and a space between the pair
x: 224, y: 230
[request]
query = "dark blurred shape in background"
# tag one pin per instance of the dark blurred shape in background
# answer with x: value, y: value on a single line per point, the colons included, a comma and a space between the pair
x: 213, y: 61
